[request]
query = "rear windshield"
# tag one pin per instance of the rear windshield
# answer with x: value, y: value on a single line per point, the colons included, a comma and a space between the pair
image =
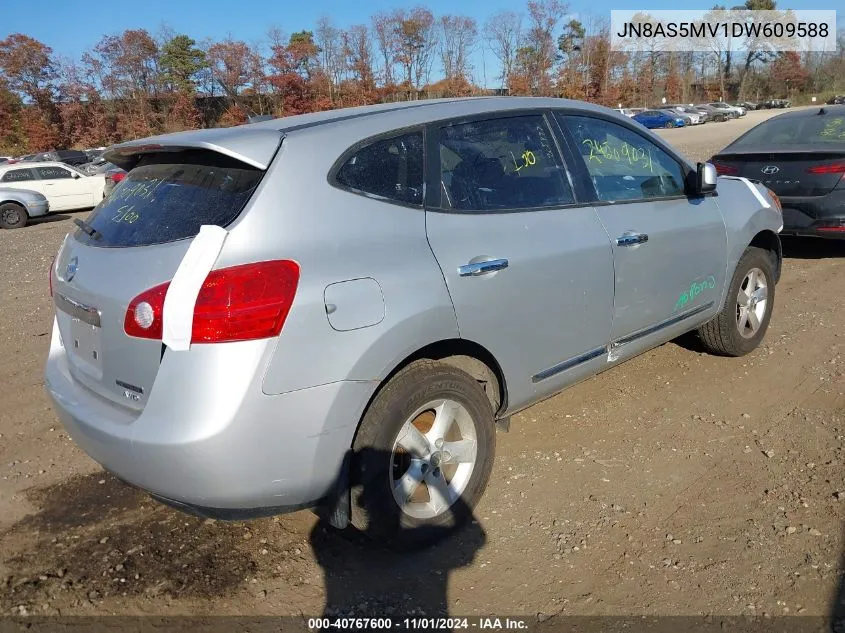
x: 829, y: 130
x: 169, y: 196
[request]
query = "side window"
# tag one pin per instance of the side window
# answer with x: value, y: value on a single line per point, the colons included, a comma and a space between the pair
x: 53, y: 173
x: 18, y: 175
x: 509, y: 163
x: 389, y: 168
x: 622, y: 164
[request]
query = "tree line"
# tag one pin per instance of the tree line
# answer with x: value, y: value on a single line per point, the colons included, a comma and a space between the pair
x: 136, y: 83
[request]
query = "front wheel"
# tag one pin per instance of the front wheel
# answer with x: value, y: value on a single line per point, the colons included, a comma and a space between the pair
x: 12, y: 216
x: 744, y: 319
x: 423, y: 455
x: 669, y: 125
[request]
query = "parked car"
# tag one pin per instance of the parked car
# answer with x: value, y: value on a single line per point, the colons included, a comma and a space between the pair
x: 732, y: 111
x: 801, y: 157
x: 97, y: 166
x: 114, y: 175
x: 363, y: 322
x: 93, y: 154
x: 5, y: 159
x: 65, y: 187
x: 713, y: 114
x: 703, y: 117
x: 18, y: 205
x: 776, y: 103
x: 659, y: 118
x: 748, y: 105
x: 626, y: 111
x: 836, y: 100
x: 689, y: 119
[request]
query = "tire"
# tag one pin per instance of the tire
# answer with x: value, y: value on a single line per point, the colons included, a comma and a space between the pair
x: 669, y: 125
x: 732, y: 332
x: 379, y: 461
x: 12, y: 216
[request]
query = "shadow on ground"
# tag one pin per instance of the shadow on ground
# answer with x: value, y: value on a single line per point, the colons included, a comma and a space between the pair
x: 96, y: 542
x: 47, y: 219
x: 393, y: 566
x: 812, y: 248
x: 93, y: 537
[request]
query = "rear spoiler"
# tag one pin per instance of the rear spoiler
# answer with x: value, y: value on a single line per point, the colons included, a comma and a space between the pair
x: 255, y: 146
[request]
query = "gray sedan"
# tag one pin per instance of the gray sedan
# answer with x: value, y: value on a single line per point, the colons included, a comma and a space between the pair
x: 338, y: 309
x: 18, y: 205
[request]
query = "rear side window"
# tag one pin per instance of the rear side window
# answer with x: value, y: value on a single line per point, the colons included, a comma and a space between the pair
x: 18, y: 175
x: 52, y: 173
x: 169, y: 196
x: 388, y: 168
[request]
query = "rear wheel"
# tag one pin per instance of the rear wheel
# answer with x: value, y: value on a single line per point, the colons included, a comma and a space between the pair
x: 423, y: 455
x: 744, y: 319
x: 12, y: 216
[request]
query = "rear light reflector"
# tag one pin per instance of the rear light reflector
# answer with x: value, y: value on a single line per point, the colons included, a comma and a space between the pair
x: 834, y: 168
x: 239, y: 303
x: 832, y: 229
x: 725, y: 170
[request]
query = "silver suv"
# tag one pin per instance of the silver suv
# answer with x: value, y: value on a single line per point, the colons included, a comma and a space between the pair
x: 288, y: 313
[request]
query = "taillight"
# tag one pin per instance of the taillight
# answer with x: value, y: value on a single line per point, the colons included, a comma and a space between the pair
x: 239, y: 303
x: 118, y: 176
x: 725, y: 170
x: 834, y: 168
x: 775, y: 199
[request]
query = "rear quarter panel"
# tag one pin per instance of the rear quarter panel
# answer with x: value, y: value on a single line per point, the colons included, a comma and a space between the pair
x: 335, y: 236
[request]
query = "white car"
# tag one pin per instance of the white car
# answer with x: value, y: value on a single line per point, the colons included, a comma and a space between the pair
x: 64, y: 187
x: 626, y: 111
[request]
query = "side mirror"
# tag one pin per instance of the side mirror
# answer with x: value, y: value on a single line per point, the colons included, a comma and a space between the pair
x: 75, y: 176
x: 705, y: 180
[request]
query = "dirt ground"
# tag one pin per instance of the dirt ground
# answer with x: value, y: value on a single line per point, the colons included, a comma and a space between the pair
x: 677, y: 483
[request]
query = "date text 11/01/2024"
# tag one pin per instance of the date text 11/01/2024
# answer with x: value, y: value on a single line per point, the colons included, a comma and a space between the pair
x: 419, y: 623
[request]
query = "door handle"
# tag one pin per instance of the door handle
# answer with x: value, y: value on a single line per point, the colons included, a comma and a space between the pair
x: 631, y: 239
x: 481, y: 268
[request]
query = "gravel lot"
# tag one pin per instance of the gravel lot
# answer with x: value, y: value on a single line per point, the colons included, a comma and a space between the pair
x: 677, y: 483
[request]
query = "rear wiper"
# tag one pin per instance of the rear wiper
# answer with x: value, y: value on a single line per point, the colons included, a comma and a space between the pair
x: 88, y: 229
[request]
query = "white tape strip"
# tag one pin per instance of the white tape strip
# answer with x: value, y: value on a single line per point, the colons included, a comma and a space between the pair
x: 183, y: 291
x: 756, y: 192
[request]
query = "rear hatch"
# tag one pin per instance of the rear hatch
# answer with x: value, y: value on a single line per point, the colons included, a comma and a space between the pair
x: 135, y: 240
x: 787, y: 173
x: 801, y: 155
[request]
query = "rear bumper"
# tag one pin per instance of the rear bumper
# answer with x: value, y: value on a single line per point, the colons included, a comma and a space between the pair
x: 818, y: 216
x: 231, y: 452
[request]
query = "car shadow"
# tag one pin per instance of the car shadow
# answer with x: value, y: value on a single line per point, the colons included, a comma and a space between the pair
x: 811, y: 247
x: 368, y: 576
x: 46, y: 219
x: 94, y: 541
x: 837, y: 610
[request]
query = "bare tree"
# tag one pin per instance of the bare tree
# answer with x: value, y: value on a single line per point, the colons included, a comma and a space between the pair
x: 329, y: 41
x: 457, y: 41
x: 503, y: 33
x: 540, y: 51
x: 385, y: 34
